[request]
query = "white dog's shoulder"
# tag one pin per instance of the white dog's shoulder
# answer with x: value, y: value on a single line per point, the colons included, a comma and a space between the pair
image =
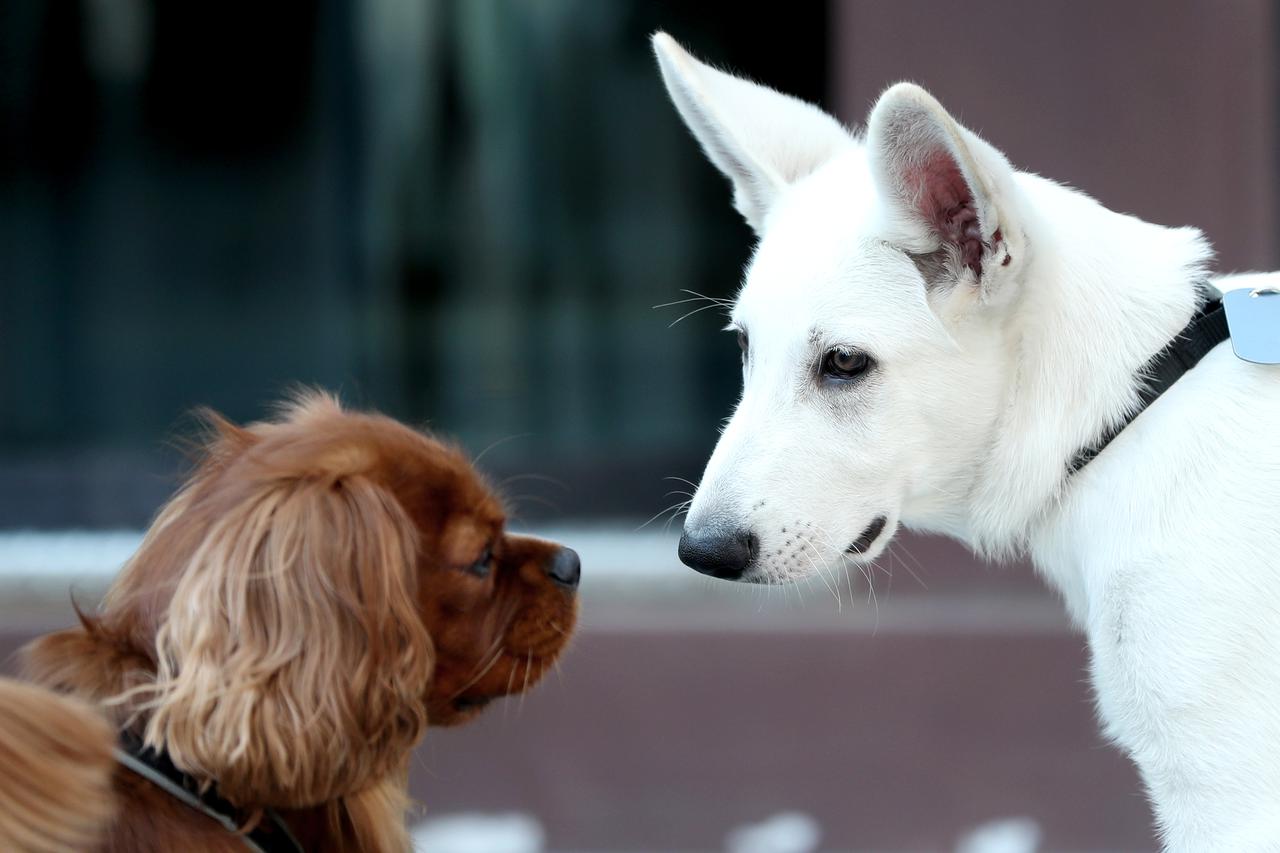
x: 1169, y: 554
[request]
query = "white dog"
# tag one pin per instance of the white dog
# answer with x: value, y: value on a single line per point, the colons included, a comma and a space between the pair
x: 931, y: 339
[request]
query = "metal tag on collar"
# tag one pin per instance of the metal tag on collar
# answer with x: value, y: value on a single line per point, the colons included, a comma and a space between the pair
x: 1253, y: 317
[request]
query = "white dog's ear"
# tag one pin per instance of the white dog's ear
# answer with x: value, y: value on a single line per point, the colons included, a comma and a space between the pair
x: 947, y: 191
x: 760, y: 138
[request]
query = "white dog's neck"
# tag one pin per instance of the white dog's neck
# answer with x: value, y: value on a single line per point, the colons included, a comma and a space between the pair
x: 1101, y: 294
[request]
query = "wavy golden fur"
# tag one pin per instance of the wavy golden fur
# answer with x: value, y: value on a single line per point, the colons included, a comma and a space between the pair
x: 325, y: 586
x: 55, y: 790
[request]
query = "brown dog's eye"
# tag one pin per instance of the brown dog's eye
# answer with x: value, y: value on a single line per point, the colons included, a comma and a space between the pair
x: 481, y: 567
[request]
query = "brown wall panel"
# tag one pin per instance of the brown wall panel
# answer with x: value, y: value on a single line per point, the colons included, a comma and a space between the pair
x: 1161, y: 109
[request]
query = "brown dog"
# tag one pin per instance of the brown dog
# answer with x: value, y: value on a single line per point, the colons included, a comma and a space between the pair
x: 324, y: 587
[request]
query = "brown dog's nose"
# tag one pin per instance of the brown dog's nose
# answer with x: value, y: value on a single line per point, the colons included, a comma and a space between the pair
x: 565, y: 568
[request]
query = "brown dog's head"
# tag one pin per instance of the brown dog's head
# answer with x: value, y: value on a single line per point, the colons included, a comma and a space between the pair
x: 326, y: 585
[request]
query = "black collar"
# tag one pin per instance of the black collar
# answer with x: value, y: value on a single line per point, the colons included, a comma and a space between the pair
x: 1206, y: 329
x: 271, y: 835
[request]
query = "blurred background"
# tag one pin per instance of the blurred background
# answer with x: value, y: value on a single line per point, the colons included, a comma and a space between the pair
x: 463, y: 212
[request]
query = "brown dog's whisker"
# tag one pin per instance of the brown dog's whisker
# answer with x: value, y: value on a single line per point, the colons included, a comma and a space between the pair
x: 555, y: 665
x: 528, y: 668
x: 493, y: 660
x: 540, y: 478
x: 536, y: 499
x: 475, y: 460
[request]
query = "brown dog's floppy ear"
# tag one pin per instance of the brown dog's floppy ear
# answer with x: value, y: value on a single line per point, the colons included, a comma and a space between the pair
x: 292, y: 663
x: 55, y: 789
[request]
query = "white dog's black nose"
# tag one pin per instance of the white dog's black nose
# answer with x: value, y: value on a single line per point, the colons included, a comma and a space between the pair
x: 719, y: 551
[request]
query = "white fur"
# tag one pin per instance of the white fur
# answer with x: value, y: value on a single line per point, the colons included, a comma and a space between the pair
x: 1164, y: 548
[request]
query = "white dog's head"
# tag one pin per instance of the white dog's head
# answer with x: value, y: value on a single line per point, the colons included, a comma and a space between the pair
x: 871, y: 322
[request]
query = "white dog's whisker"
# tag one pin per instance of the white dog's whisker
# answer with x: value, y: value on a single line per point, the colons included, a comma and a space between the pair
x: 818, y: 570
x: 708, y: 298
x: 695, y: 311
x: 718, y: 302
x: 901, y: 546
x: 684, y: 508
x: 674, y: 508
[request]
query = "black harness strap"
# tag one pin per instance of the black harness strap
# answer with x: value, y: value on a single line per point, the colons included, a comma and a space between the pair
x: 271, y: 835
x: 1207, y: 329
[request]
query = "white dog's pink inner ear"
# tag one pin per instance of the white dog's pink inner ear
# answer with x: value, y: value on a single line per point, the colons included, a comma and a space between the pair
x: 945, y: 201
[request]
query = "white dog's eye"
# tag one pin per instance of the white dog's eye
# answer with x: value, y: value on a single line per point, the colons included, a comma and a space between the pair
x: 845, y: 364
